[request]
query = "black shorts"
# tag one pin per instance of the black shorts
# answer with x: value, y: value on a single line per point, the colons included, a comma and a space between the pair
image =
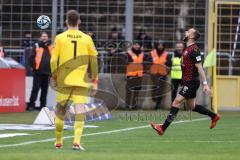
x: 189, y: 89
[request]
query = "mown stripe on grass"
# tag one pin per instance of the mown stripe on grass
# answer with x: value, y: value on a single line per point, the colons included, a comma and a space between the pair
x: 94, y: 134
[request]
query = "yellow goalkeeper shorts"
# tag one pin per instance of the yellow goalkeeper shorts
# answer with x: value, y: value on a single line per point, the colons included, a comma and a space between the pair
x: 78, y: 95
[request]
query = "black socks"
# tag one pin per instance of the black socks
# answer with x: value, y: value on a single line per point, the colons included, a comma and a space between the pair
x: 170, y: 117
x: 202, y: 110
x: 174, y: 110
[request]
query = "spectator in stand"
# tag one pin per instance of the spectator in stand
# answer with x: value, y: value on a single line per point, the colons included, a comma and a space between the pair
x: 144, y: 40
x: 27, y: 40
x: 90, y: 32
x: 115, y: 35
x: 111, y: 46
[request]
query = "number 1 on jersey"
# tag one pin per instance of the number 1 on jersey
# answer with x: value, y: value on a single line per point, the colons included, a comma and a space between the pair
x: 75, y: 49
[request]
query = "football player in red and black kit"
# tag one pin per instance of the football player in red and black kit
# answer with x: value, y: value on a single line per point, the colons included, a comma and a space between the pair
x: 191, y: 69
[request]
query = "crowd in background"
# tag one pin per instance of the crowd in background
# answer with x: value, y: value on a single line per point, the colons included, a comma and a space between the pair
x: 143, y: 49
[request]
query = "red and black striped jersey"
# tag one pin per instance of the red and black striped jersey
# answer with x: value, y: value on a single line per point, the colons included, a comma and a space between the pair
x: 191, y: 56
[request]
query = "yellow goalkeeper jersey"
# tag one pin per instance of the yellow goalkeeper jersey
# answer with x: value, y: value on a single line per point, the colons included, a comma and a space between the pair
x: 73, y: 51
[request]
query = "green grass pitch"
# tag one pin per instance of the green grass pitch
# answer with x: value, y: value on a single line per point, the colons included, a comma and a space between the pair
x: 182, y: 141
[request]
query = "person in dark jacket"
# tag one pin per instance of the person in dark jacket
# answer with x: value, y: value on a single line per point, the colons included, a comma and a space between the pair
x: 40, y: 64
x: 91, y: 33
x: 144, y: 40
x: 115, y: 35
x: 111, y: 46
x: 27, y: 40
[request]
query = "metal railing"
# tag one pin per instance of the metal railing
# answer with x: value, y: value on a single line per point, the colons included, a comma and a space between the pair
x: 19, y: 55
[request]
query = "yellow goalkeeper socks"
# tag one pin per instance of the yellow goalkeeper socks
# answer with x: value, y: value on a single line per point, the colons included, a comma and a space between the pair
x: 78, y: 128
x: 59, y: 122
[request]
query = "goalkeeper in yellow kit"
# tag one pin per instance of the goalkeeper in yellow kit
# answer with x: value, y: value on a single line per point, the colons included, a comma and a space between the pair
x: 72, y: 53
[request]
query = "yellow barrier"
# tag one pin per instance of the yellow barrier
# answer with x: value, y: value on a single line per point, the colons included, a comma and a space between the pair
x: 228, y: 91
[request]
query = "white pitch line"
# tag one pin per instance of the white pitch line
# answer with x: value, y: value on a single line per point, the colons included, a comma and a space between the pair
x: 94, y: 134
x: 10, y: 135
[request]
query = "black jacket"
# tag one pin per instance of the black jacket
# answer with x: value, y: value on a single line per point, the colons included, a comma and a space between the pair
x: 44, y: 67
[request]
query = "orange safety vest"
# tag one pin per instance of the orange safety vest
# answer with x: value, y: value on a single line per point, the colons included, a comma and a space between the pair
x: 158, y: 66
x: 135, y: 68
x: 39, y: 54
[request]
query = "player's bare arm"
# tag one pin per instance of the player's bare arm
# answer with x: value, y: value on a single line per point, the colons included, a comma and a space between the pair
x: 203, y: 77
